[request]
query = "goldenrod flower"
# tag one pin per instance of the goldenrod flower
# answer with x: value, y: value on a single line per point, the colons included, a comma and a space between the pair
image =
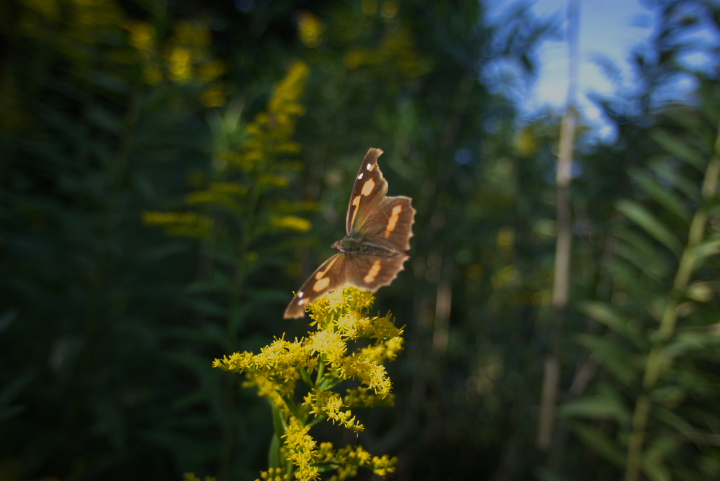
x: 325, y: 358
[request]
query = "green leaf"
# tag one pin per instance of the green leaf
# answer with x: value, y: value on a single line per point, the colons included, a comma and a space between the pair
x: 653, y: 461
x: 545, y: 474
x: 641, y: 253
x: 651, y: 224
x: 105, y: 119
x: 595, y: 407
x: 680, y: 149
x: 607, y: 315
x: 207, y: 307
x: 708, y: 248
x: 671, y: 419
x: 600, y: 443
x: 661, y: 194
x: 692, y: 341
x: 614, y: 358
x: 674, y: 177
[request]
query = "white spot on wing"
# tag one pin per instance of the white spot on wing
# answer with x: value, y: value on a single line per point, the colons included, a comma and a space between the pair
x: 360, y: 176
x: 300, y: 294
x: 368, y: 166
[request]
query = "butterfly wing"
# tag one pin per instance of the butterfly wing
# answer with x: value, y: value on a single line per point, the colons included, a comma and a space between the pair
x: 372, y: 272
x: 330, y: 275
x: 389, y: 225
x: 369, y: 190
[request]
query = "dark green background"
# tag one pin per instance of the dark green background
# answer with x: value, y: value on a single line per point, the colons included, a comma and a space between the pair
x: 108, y: 326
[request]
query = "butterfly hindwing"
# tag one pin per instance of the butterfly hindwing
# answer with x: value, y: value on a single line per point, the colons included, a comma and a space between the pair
x: 369, y: 190
x: 330, y: 275
x: 373, y: 272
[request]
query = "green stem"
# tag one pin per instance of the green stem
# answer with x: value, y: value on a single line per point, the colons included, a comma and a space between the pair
x: 655, y: 361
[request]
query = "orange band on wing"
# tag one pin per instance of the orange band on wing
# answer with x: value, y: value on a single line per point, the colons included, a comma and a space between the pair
x: 321, y: 274
x: 392, y: 223
x: 321, y: 284
x: 373, y: 272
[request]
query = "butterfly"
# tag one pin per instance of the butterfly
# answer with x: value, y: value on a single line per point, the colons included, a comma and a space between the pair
x: 377, y: 243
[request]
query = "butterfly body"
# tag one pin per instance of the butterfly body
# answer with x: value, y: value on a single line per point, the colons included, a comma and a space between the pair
x: 362, y: 246
x: 377, y: 243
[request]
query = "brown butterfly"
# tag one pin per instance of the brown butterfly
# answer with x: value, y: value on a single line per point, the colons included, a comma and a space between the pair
x: 378, y: 231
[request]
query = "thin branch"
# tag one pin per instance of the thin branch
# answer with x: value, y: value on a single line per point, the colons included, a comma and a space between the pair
x: 563, y: 247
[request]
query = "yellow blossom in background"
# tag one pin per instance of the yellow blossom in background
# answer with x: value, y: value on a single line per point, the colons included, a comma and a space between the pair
x: 291, y: 222
x: 187, y: 224
x: 506, y: 238
x: 193, y: 477
x: 180, y: 65
x: 253, y: 157
x: 507, y: 277
x: 141, y: 36
x: 310, y: 28
x: 389, y: 8
x: 183, y: 58
x: 270, y: 132
x: 396, y: 53
x: 369, y: 7
x: 274, y: 474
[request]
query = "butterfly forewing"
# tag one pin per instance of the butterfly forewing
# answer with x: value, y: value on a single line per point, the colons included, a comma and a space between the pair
x: 391, y: 223
x: 369, y: 189
x: 330, y: 275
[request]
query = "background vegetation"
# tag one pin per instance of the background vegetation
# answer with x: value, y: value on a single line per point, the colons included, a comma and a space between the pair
x: 170, y: 171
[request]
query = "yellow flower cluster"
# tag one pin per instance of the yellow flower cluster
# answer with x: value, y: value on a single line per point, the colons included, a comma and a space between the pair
x: 322, y: 360
x: 330, y: 404
x: 350, y: 458
x: 194, y: 477
x: 274, y: 474
x: 302, y: 450
x: 362, y: 397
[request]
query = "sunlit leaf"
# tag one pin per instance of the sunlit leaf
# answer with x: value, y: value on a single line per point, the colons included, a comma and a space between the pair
x: 708, y: 248
x: 595, y: 407
x: 692, y: 341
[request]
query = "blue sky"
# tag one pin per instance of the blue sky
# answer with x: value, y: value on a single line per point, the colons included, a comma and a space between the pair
x: 608, y: 28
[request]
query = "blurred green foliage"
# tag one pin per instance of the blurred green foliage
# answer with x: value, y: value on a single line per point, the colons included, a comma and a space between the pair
x: 236, y: 126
